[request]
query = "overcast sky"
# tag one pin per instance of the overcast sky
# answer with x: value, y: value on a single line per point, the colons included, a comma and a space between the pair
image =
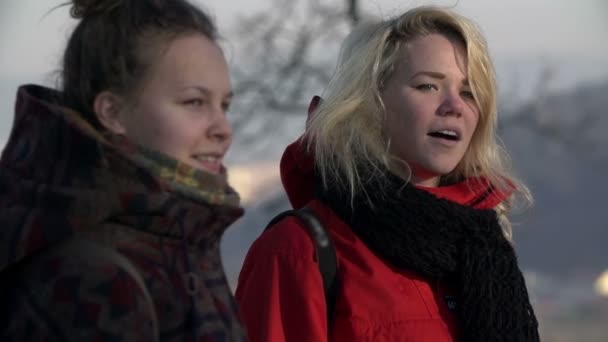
x: 573, y: 35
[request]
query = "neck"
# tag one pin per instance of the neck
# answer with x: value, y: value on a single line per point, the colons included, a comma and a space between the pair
x: 427, y: 182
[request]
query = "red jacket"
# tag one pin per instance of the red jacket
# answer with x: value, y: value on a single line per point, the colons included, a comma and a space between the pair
x: 280, y: 289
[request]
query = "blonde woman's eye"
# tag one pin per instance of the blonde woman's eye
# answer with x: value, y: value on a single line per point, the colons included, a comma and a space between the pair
x: 426, y: 87
x: 468, y: 95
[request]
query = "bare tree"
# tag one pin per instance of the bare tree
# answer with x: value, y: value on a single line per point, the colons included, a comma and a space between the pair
x: 287, y: 54
x: 353, y: 11
x: 567, y: 119
x: 287, y: 49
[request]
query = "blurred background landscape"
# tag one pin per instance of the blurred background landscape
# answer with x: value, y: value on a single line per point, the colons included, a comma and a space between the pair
x: 552, y: 65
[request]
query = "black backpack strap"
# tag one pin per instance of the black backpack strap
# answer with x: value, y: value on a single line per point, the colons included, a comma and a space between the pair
x: 326, y: 254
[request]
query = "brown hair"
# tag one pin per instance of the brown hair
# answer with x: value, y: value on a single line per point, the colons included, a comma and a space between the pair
x: 116, y: 41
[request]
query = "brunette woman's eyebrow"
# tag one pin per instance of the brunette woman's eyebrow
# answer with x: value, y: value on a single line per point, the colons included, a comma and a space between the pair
x: 201, y: 89
x: 207, y: 92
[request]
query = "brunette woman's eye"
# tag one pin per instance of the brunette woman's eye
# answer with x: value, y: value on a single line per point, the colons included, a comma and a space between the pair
x: 226, y: 106
x: 194, y: 102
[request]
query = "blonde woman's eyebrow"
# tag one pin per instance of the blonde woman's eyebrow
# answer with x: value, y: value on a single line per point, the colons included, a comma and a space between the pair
x: 432, y: 74
x: 436, y: 75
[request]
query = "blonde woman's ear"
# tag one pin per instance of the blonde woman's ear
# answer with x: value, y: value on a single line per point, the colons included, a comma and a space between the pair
x: 108, y: 109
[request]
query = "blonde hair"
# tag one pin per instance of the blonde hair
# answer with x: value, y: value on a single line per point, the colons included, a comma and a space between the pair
x: 347, y: 129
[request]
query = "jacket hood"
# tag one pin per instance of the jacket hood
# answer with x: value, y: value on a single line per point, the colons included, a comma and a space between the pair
x: 298, y: 178
x: 60, y: 177
x: 297, y: 168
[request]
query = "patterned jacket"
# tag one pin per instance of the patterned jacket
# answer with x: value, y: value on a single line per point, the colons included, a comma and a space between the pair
x: 101, y: 240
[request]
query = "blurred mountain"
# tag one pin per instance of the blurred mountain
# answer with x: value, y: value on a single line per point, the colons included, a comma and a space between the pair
x: 566, y: 231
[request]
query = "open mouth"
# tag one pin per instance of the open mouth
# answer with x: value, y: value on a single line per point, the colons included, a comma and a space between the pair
x: 212, y: 163
x: 445, y: 134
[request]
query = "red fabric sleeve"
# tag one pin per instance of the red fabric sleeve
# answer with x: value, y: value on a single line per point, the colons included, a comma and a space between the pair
x: 280, y: 289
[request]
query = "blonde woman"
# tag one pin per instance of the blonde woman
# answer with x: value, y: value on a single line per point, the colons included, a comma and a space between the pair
x: 401, y: 164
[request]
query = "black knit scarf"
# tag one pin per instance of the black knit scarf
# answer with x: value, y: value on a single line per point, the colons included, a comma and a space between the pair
x: 440, y: 239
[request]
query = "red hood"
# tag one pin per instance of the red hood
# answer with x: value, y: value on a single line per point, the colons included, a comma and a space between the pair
x: 297, y: 168
x: 298, y: 178
x: 297, y: 174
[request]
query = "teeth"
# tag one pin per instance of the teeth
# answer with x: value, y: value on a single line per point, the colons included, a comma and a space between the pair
x: 448, y: 132
x: 445, y: 134
x: 205, y: 158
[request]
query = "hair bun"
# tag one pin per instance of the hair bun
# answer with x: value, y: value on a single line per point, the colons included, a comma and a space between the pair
x: 86, y: 8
